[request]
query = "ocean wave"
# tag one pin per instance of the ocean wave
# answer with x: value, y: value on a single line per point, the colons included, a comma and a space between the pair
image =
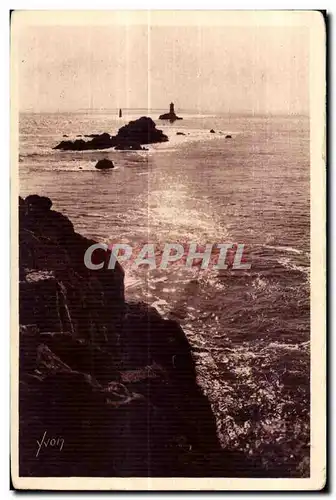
x: 289, y: 264
x: 284, y: 249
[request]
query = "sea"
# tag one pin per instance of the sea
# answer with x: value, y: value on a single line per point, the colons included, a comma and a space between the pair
x: 249, y: 329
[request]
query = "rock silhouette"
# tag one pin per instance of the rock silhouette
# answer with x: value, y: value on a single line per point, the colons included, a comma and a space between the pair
x: 104, y: 164
x: 130, y: 136
x: 142, y: 131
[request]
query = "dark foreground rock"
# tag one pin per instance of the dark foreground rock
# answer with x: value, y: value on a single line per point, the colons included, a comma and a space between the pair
x: 104, y: 164
x: 129, y: 137
x: 228, y: 136
x: 111, y: 384
x: 212, y: 131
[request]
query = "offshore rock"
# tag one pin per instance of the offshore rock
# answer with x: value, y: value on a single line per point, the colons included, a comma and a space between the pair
x: 99, y: 141
x: 141, y: 131
x: 130, y: 136
x: 104, y: 164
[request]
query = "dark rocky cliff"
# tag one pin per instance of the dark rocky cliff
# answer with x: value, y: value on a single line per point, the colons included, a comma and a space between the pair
x: 114, y: 380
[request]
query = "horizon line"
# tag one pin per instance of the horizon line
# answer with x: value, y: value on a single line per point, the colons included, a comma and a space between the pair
x: 181, y: 110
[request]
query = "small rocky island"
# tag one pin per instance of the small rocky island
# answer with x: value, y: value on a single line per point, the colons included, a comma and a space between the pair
x: 104, y: 164
x: 129, y: 137
x: 112, y: 379
x: 171, y: 116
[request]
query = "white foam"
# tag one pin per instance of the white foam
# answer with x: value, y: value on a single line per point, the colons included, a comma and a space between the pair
x: 284, y: 249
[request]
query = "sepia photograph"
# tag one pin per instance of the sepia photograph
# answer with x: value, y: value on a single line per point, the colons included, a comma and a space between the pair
x: 168, y: 257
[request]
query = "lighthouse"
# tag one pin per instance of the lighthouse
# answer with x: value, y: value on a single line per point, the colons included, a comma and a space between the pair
x: 171, y: 116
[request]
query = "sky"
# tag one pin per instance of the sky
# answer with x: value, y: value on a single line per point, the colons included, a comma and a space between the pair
x: 200, y: 67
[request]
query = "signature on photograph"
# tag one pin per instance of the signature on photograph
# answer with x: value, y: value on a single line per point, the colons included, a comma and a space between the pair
x: 51, y: 442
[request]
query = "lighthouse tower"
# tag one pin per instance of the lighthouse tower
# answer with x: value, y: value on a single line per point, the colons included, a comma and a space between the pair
x: 171, y: 115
